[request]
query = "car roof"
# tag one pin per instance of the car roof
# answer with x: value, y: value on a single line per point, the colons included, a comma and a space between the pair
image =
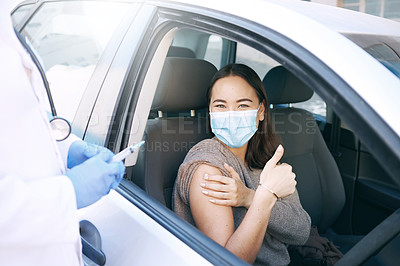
x: 337, y: 19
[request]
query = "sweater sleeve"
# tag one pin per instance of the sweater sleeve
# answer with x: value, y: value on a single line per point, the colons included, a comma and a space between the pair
x: 289, y: 222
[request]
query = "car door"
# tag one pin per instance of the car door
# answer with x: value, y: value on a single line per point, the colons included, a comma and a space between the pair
x: 86, y: 64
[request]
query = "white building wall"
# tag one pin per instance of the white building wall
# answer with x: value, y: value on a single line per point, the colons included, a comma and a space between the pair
x: 383, y: 8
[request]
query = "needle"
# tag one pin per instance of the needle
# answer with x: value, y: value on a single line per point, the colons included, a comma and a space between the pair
x: 126, y: 152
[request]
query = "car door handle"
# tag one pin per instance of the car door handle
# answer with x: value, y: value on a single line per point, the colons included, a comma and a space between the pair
x: 91, y: 243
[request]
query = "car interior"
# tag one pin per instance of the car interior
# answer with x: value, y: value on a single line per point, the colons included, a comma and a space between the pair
x: 337, y: 176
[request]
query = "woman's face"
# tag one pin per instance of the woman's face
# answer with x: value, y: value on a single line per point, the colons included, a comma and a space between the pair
x: 233, y: 93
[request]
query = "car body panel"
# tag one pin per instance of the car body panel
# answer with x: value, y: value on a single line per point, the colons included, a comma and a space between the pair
x: 117, y: 219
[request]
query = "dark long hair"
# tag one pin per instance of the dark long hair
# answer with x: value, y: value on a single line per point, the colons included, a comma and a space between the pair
x: 261, y: 147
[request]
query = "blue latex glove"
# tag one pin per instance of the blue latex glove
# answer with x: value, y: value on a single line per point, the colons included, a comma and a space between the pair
x: 80, y: 151
x: 95, y: 177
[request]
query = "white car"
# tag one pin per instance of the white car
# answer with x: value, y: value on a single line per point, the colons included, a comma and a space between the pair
x: 125, y: 71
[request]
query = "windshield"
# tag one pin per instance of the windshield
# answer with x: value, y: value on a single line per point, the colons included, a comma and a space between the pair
x: 70, y: 37
x: 385, y: 49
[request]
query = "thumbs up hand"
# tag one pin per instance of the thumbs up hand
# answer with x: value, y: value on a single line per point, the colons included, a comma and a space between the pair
x: 279, y: 178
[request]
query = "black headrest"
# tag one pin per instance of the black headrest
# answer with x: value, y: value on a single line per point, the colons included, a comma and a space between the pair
x: 183, y: 84
x: 176, y: 51
x: 283, y: 87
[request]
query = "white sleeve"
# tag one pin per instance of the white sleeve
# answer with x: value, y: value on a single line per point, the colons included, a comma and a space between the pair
x: 39, y: 212
x: 37, y: 203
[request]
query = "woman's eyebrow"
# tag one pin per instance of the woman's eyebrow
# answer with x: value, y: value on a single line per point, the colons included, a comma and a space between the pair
x: 219, y: 100
x: 238, y: 101
x: 244, y: 100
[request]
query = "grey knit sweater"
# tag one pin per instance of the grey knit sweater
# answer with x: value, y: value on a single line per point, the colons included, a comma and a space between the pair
x: 289, y: 223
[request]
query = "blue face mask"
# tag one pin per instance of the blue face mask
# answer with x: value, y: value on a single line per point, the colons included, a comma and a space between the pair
x: 234, y: 128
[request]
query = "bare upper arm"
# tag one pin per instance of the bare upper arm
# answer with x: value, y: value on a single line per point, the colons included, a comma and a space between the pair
x: 213, y: 220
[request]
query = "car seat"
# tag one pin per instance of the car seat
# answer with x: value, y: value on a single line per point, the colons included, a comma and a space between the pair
x: 320, y: 185
x: 177, y: 51
x: 181, y: 122
x: 319, y: 182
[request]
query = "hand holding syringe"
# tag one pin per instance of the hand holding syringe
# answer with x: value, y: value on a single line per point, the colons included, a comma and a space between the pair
x: 126, y: 152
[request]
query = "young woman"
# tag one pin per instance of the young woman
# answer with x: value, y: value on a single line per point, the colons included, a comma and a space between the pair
x: 262, y: 214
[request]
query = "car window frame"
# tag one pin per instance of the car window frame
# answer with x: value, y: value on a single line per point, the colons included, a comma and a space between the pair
x: 327, y: 84
x: 311, y: 70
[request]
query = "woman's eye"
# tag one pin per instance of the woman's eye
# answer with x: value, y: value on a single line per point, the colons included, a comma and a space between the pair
x: 220, y: 106
x: 243, y: 106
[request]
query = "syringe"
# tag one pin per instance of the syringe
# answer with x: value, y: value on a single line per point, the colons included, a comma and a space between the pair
x: 126, y: 152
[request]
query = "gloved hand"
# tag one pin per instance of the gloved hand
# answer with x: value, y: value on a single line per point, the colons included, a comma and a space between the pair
x: 80, y: 151
x: 95, y: 177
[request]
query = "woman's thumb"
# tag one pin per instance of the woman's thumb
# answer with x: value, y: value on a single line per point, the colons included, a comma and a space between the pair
x: 276, y: 157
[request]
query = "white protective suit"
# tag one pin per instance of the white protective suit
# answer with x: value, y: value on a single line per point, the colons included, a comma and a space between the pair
x: 38, y: 213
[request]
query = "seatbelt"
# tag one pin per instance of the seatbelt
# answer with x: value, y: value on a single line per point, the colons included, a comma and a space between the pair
x: 334, y: 142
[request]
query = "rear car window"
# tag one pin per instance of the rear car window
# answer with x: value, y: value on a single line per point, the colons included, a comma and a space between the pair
x: 385, y: 49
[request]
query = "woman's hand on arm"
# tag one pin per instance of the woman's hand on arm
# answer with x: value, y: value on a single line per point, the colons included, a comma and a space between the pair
x: 230, y: 191
x: 227, y: 191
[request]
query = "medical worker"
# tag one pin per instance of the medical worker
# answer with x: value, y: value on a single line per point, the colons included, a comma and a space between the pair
x: 42, y: 182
